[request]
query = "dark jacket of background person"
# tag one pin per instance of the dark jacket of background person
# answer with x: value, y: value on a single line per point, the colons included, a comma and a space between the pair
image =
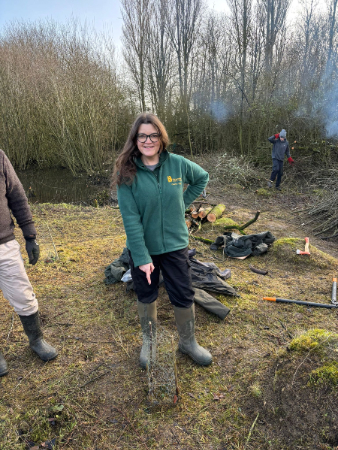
x: 279, y: 149
x: 13, y: 198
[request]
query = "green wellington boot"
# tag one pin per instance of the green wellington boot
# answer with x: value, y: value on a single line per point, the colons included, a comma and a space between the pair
x: 3, y: 366
x: 31, y: 325
x: 185, y: 321
x: 148, y: 313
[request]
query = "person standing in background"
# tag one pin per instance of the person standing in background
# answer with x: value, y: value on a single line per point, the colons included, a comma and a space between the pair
x: 279, y: 150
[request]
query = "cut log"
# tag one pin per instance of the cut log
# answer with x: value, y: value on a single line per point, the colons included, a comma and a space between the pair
x: 216, y: 213
x: 188, y: 223
x: 194, y: 214
x: 203, y: 212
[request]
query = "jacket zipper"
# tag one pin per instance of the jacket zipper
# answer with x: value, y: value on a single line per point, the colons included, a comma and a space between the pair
x: 161, y: 215
x: 160, y: 192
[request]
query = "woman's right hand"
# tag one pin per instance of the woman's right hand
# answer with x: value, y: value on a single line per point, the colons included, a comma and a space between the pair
x: 147, y: 269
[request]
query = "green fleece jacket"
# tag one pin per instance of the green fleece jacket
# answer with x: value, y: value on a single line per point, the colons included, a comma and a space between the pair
x: 153, y: 206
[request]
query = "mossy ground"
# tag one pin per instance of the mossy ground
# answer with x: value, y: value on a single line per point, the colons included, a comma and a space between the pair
x: 94, y: 395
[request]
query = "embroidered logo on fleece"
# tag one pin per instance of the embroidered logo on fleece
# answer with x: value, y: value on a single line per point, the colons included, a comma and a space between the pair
x: 174, y: 181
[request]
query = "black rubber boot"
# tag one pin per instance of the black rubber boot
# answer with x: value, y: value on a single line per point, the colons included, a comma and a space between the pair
x: 3, y: 366
x: 148, y: 313
x: 185, y: 321
x: 32, y: 327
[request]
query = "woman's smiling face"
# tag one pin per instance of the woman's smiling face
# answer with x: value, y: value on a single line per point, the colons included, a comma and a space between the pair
x: 148, y: 148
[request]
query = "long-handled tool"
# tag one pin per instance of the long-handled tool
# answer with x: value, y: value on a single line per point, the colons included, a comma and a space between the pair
x: 298, y: 302
x: 307, y: 248
x: 334, y: 292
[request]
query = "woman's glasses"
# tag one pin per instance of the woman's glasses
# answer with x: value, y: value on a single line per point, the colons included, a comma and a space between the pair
x: 153, y: 137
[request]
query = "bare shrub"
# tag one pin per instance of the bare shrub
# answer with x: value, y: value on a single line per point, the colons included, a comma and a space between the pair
x: 61, y: 99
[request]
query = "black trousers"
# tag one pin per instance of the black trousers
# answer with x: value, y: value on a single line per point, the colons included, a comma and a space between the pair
x: 176, y: 271
x: 277, y: 171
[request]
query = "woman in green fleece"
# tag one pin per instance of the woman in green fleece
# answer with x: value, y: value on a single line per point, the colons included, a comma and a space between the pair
x: 152, y: 202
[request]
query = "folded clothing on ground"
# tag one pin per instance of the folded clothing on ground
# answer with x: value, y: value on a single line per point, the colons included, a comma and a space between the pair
x: 238, y: 246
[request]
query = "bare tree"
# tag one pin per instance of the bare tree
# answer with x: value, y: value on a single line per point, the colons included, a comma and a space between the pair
x: 241, y: 17
x: 332, y: 5
x: 184, y: 19
x: 275, y: 11
x: 136, y: 16
x: 160, y: 60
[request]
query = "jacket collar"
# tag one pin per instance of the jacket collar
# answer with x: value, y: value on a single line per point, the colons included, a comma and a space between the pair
x: 163, y: 157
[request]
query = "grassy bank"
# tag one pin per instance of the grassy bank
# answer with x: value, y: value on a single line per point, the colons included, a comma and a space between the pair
x: 272, y: 384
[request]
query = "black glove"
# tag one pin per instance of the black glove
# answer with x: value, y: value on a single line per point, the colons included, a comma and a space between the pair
x: 33, y: 250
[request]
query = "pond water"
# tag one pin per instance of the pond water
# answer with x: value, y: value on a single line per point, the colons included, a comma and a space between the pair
x: 60, y: 186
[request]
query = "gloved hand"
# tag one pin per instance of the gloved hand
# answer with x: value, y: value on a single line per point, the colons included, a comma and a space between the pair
x: 33, y: 249
x: 277, y: 136
x: 291, y: 161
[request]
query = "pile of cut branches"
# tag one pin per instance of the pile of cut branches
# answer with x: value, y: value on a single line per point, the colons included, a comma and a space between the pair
x: 325, y: 211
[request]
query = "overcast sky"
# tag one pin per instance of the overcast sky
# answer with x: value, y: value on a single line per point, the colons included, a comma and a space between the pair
x: 102, y: 14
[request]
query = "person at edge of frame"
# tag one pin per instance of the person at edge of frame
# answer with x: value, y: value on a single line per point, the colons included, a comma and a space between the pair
x: 14, y: 281
x: 279, y: 150
x: 152, y: 201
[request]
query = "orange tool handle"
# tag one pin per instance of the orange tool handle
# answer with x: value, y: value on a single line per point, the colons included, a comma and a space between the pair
x: 307, y: 245
x: 270, y: 299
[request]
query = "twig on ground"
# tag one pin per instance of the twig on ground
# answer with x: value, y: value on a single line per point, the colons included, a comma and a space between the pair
x: 12, y: 322
x: 119, y: 341
x: 251, y: 430
x: 94, y: 379
x: 68, y: 439
x: 50, y: 234
x: 285, y: 328
x: 97, y: 367
x: 294, y: 375
x: 24, y: 378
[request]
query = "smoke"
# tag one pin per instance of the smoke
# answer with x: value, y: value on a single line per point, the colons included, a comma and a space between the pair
x: 325, y: 101
x: 321, y: 106
x: 330, y: 110
x: 219, y: 111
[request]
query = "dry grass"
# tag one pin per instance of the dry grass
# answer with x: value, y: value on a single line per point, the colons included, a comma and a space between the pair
x: 94, y: 395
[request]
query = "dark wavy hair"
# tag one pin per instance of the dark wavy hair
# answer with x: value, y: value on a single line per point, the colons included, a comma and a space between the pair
x: 125, y: 167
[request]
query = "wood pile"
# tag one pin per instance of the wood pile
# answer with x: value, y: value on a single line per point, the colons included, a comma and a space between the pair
x: 201, y: 213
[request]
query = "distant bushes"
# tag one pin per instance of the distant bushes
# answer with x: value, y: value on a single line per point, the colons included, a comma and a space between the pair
x: 61, y: 101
